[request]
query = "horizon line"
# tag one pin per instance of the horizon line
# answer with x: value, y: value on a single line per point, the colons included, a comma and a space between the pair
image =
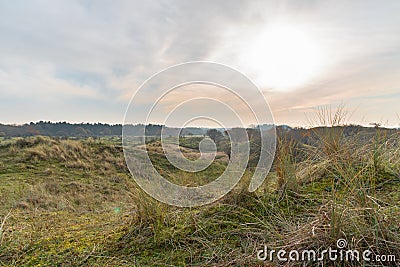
x: 370, y: 125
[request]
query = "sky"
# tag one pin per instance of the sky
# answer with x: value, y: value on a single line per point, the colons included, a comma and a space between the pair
x: 82, y: 61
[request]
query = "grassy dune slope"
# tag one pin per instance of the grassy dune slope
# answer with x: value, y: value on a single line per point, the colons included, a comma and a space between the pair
x: 72, y: 202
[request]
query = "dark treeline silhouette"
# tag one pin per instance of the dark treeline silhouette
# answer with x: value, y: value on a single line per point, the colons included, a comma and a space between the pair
x: 61, y: 129
x: 65, y: 129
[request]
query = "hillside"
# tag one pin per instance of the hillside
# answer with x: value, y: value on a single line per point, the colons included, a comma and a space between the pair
x: 72, y: 202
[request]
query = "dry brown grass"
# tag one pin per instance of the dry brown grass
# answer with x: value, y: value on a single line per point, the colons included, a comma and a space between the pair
x: 84, y: 209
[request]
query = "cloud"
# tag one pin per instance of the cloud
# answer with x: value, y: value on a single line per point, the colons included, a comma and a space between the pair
x: 95, y: 54
x: 101, y: 49
x: 39, y: 82
x: 361, y: 48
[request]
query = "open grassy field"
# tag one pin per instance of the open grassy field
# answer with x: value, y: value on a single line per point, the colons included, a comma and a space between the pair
x: 67, y: 202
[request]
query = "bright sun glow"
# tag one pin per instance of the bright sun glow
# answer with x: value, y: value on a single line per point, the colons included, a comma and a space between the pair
x: 282, y: 57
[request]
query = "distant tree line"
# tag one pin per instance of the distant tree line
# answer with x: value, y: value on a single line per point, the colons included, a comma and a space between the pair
x: 61, y: 129
x: 65, y: 129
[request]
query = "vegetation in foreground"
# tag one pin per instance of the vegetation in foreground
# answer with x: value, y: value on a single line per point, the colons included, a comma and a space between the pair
x: 71, y: 202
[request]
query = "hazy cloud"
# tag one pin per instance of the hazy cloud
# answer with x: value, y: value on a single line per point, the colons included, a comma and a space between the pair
x: 91, y: 55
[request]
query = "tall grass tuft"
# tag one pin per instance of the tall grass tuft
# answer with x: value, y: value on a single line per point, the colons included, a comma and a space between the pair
x: 285, y: 164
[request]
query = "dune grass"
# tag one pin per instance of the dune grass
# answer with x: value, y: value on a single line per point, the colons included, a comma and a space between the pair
x: 72, y: 202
